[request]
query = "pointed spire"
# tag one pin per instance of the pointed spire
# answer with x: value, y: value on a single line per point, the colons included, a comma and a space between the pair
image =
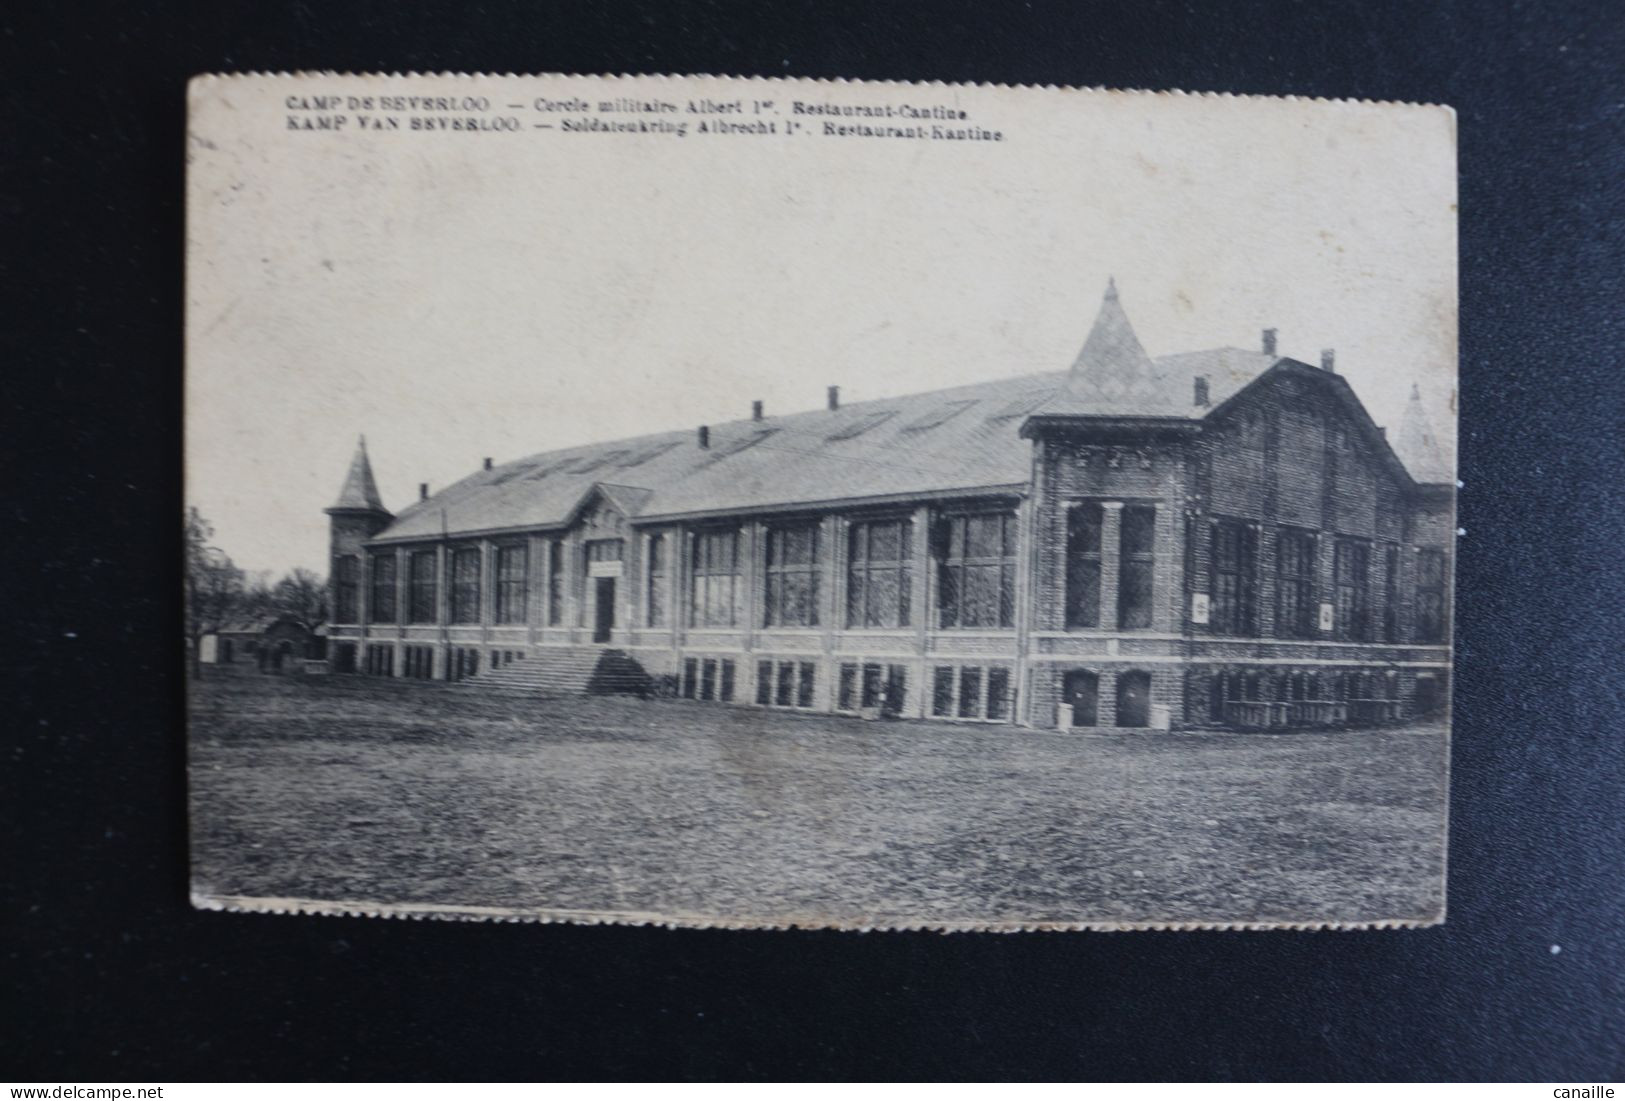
x: 1113, y: 365
x: 360, y: 492
x: 1418, y: 445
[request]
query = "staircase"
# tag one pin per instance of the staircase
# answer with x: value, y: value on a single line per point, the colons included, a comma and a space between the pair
x: 554, y: 671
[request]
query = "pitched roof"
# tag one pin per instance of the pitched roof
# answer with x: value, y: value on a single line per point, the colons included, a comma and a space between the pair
x: 966, y: 439
x: 1418, y: 446
x: 1112, y: 369
x: 360, y: 492
x: 1113, y: 376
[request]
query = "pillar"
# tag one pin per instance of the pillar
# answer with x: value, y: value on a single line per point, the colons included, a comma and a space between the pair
x: 1111, y: 552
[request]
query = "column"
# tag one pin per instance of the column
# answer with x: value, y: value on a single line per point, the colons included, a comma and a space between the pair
x: 363, y: 595
x: 831, y: 600
x: 488, y: 590
x: 535, y: 587
x: 752, y: 538
x: 628, y: 587
x: 1325, y: 556
x: 574, y: 589
x: 1111, y: 552
x: 403, y: 558
x: 681, y: 562
x: 919, y: 602
x: 442, y: 609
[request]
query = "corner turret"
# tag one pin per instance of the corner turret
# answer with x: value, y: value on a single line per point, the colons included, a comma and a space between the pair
x: 357, y: 516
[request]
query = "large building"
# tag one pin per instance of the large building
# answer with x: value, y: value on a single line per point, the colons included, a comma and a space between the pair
x: 1215, y: 539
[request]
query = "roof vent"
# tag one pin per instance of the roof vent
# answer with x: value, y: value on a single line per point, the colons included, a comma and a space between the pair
x: 488, y: 462
x: 1328, y: 360
x: 1269, y: 342
x: 756, y: 410
x: 1200, y: 386
x: 705, y: 436
x: 834, y: 397
x: 423, y: 491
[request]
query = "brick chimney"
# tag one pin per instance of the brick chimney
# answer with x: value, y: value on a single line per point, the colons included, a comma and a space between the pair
x: 1328, y: 360
x: 423, y: 491
x: 756, y: 410
x: 488, y: 462
x: 705, y: 436
x: 1269, y: 342
x: 1200, y: 396
x: 834, y: 397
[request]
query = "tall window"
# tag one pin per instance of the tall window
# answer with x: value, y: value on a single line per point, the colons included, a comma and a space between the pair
x: 1430, y: 596
x: 346, y: 589
x: 1235, y: 574
x: 513, y: 582
x: 605, y: 550
x: 555, y: 582
x: 1083, y: 525
x: 659, y: 569
x: 792, y: 576
x: 465, y: 585
x: 714, y: 591
x: 1351, y: 566
x: 1390, y: 603
x: 421, y: 568
x: 878, y: 573
x: 381, y: 605
x: 1295, y: 614
x: 1135, y: 566
x: 976, y: 570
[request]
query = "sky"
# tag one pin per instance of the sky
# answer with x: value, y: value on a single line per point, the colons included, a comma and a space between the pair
x: 455, y: 296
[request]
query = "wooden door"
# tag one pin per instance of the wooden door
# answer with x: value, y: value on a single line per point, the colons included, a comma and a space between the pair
x: 603, y: 609
x: 1134, y: 699
x: 1081, y: 692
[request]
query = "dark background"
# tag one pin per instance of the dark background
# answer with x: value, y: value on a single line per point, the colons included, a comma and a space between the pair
x: 112, y: 977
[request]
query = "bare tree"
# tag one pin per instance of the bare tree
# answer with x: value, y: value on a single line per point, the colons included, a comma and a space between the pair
x: 214, y: 585
x: 302, y: 594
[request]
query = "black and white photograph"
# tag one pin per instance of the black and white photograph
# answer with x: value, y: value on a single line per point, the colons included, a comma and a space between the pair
x: 778, y: 503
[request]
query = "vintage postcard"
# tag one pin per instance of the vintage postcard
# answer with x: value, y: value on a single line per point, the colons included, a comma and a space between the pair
x: 769, y: 503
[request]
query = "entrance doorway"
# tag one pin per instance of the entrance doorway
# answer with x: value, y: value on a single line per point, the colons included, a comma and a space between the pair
x: 1429, y: 698
x: 603, y: 608
x: 1081, y: 692
x: 1134, y: 699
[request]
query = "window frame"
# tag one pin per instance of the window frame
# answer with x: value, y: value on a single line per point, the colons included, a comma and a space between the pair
x: 557, y: 560
x: 378, y: 586
x: 1432, y: 624
x: 1301, y: 586
x: 423, y: 587
x: 709, y: 574
x: 512, y: 586
x: 466, y: 586
x: 784, y: 578
x: 1233, y: 568
x: 1085, y: 564
x: 955, y: 563
x: 656, y: 580
x: 1351, y: 594
x: 346, y: 589
x: 1138, y: 559
x: 863, y: 612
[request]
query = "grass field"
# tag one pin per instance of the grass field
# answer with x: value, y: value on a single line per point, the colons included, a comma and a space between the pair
x: 354, y: 791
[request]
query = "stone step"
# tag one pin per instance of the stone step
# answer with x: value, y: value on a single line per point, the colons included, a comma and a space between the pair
x: 566, y: 671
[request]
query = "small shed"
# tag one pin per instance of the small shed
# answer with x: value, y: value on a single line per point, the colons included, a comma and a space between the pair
x: 284, y: 645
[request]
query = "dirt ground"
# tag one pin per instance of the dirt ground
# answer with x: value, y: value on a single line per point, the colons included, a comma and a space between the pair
x: 348, y: 790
